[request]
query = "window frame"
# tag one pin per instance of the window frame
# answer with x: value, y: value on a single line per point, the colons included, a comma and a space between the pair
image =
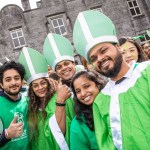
x: 56, y: 18
x: 17, y: 37
x: 98, y: 9
x: 134, y: 8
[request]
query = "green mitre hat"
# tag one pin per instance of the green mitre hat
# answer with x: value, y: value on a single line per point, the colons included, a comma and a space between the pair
x: 91, y: 28
x: 34, y: 63
x: 57, y: 48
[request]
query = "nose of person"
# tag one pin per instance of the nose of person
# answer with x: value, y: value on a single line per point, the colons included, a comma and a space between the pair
x: 13, y: 81
x: 99, y: 58
x: 83, y: 92
x: 128, y: 54
x: 64, y: 67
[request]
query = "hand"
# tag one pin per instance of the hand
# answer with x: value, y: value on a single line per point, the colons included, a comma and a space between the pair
x: 15, y: 129
x: 63, y: 92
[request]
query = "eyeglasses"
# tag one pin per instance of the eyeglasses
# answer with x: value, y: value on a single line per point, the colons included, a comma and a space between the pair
x: 41, y: 84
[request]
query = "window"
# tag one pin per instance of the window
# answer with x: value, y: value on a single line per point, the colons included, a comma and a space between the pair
x: 134, y: 7
x: 59, y: 26
x: 98, y: 9
x: 145, y: 38
x: 18, y: 38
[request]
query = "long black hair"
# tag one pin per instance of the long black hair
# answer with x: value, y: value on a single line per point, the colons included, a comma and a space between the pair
x: 80, y: 108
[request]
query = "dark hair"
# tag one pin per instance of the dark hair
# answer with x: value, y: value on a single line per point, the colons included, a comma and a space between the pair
x: 33, y: 108
x: 54, y: 76
x: 141, y: 55
x: 11, y: 65
x: 80, y: 108
x: 146, y: 42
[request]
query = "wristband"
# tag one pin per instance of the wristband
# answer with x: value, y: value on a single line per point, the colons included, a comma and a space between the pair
x: 60, y: 104
x: 6, y: 134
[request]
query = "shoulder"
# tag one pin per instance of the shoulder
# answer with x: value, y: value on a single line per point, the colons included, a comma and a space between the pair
x: 143, y: 65
x: 75, y: 124
x: 100, y: 97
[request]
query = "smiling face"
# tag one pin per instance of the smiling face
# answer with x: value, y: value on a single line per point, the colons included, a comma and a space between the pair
x: 12, y: 82
x: 65, y: 69
x: 146, y: 48
x: 106, y: 59
x: 129, y: 52
x: 39, y: 87
x: 85, y: 89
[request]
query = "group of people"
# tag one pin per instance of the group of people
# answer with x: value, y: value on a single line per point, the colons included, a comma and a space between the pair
x: 103, y: 108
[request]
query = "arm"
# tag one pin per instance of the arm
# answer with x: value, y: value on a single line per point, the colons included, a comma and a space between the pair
x: 3, y: 139
x: 63, y: 93
x: 14, y: 130
x: 60, y: 114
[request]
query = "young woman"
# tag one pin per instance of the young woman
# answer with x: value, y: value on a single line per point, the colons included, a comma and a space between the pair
x: 131, y: 50
x: 49, y: 112
x: 85, y: 86
x: 39, y: 94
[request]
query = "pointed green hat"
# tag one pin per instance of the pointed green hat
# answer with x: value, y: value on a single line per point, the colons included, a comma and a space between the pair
x: 34, y: 63
x: 91, y: 28
x: 57, y: 48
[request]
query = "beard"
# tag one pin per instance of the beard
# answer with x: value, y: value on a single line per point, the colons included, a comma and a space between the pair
x: 111, y: 73
x: 12, y: 93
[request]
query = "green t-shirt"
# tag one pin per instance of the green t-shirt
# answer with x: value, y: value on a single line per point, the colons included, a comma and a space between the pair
x: 9, y: 109
x: 81, y: 137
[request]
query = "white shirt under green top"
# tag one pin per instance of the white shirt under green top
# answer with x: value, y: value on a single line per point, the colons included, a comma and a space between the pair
x: 122, y: 111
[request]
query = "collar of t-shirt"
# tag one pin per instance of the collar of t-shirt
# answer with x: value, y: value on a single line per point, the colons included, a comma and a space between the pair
x: 3, y: 94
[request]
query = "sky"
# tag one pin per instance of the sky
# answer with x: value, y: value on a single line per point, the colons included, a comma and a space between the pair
x: 17, y: 2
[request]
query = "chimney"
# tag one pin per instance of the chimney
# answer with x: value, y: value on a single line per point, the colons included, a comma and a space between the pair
x: 25, y: 4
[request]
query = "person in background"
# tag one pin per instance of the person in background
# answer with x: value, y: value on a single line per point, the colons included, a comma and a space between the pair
x: 122, y: 109
x: 13, y: 105
x: 49, y: 112
x: 50, y: 70
x: 85, y: 86
x: 54, y: 80
x: 58, y: 52
x: 131, y: 50
x: 54, y: 76
x: 146, y: 48
x: 24, y: 89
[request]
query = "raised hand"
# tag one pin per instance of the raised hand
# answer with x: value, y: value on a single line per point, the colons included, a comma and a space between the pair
x: 15, y: 129
x: 63, y: 92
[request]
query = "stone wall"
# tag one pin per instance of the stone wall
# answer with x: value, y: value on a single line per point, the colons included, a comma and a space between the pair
x: 35, y: 24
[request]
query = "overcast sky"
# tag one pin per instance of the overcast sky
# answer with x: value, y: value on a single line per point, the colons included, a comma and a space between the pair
x: 17, y: 2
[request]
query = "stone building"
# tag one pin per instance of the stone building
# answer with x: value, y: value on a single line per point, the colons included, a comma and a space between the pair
x: 29, y: 27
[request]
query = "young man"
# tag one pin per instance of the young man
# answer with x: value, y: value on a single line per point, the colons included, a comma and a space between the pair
x: 13, y: 110
x: 122, y: 109
x: 58, y: 52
